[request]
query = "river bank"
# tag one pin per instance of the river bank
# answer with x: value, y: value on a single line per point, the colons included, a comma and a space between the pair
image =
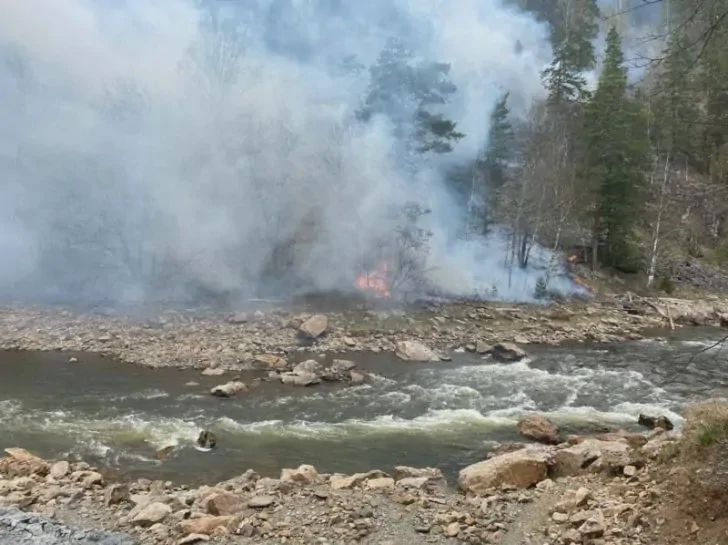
x: 581, y: 490
x: 237, y: 341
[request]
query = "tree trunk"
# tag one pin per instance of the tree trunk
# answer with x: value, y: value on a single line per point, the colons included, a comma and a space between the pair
x: 658, y: 223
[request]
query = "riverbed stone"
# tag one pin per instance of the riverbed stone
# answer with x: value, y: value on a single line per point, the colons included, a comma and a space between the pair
x: 60, y: 469
x: 521, y: 469
x: 380, y: 483
x: 204, y: 525
x: 260, y: 502
x: 314, y: 327
x: 269, y: 361
x: 152, y: 514
x: 116, y: 493
x: 539, y: 428
x: 508, y: 352
x: 222, y: 503
x: 229, y: 389
x: 415, y: 351
x: 303, y: 475
x: 301, y: 378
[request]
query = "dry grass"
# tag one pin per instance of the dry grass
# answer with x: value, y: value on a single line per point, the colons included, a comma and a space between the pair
x: 695, y: 483
x: 706, y: 427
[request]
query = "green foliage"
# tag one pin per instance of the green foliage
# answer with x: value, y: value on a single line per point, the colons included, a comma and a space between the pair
x: 616, y: 157
x: 408, y: 93
x: 573, y: 29
x: 713, y: 433
x: 666, y: 285
x: 500, y: 142
x: 541, y: 289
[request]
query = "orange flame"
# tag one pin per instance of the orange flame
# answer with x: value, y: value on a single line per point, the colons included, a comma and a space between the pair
x: 573, y: 258
x: 375, y: 281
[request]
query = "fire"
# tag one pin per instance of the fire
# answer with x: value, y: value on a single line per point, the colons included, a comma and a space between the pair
x: 573, y: 258
x: 375, y: 281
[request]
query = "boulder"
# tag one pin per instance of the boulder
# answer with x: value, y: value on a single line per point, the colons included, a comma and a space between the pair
x: 204, y: 525
x: 481, y: 347
x: 339, y: 482
x: 655, y: 422
x: 21, y: 463
x: 308, y: 366
x: 206, y: 439
x: 591, y: 455
x: 314, y: 327
x: 338, y: 371
x: 415, y: 351
x: 115, y: 493
x: 261, y: 502
x: 522, y: 469
x: 508, y: 352
x: 222, y: 503
x: 229, y: 389
x: 539, y: 428
x: 300, y: 379
x: 152, y: 514
x: 380, y: 483
x: 269, y: 361
x: 60, y: 469
x: 303, y: 475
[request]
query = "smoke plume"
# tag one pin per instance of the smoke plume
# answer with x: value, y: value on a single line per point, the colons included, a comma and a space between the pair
x: 152, y: 150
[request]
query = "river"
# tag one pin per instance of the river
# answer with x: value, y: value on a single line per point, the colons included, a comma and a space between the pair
x: 448, y: 414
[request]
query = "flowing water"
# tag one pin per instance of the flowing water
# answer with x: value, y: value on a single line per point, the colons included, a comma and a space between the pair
x: 445, y: 414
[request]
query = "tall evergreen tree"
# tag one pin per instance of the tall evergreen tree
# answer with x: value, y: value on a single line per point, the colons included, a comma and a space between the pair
x: 500, y: 140
x: 573, y: 29
x: 409, y: 93
x: 617, y: 156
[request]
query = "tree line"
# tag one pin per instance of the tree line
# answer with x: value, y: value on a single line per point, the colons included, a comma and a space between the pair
x: 635, y: 168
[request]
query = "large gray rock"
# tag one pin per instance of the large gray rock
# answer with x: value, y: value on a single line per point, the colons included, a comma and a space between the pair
x: 19, y: 528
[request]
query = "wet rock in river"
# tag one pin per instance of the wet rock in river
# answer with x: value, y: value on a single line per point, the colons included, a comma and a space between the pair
x: 338, y: 371
x: 302, y: 378
x: 655, y: 422
x: 206, y: 439
x: 229, y: 389
x: 539, y: 428
x: 508, y: 352
x: 163, y: 453
x: 415, y: 351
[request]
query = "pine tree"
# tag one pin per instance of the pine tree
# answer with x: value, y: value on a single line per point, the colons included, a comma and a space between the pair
x: 573, y: 29
x: 675, y: 106
x: 500, y: 140
x: 617, y: 156
x: 408, y: 94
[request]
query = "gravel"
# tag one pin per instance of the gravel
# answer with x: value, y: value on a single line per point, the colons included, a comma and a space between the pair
x: 19, y: 528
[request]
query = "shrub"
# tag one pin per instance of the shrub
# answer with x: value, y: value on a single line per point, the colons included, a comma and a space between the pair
x: 666, y: 285
x: 541, y: 289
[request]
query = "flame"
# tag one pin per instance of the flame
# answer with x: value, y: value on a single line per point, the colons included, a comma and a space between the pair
x: 573, y: 258
x: 375, y: 281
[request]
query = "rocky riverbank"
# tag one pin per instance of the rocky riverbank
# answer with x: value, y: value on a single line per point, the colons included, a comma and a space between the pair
x: 581, y: 490
x: 265, y: 338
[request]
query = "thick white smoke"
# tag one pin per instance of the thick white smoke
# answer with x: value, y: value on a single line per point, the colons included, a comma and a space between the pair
x: 149, y: 147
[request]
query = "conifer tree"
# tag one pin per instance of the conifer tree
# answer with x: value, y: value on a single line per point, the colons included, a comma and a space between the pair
x: 500, y: 140
x: 616, y: 156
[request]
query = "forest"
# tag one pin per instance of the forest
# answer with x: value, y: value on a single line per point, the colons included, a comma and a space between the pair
x: 255, y: 158
x: 632, y: 172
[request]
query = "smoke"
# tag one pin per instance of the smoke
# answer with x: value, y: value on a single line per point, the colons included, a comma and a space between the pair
x: 151, y: 150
